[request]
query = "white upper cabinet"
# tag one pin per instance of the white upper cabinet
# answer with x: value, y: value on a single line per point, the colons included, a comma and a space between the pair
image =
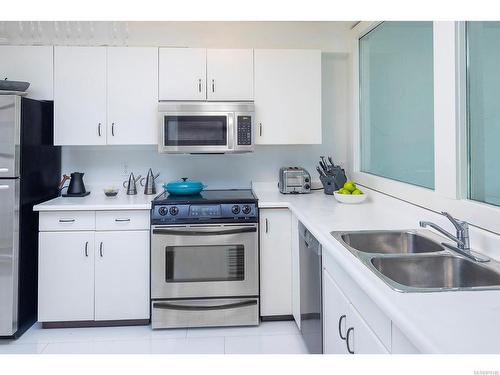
x: 288, y: 96
x: 230, y: 74
x: 33, y: 64
x: 132, y: 87
x: 79, y: 95
x: 182, y: 74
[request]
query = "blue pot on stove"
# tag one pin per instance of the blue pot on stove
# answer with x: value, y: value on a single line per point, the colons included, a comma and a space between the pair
x: 184, y: 187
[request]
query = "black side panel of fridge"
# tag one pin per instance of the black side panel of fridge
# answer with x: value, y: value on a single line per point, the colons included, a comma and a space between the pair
x: 40, y: 175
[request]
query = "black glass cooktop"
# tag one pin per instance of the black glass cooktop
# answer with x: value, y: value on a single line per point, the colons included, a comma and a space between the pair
x: 208, y: 196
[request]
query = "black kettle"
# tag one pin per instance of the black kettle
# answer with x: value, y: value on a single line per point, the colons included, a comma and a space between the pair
x: 76, y: 186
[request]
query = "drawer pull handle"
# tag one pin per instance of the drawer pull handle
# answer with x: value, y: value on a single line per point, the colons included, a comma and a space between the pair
x: 122, y: 220
x: 340, y: 327
x: 66, y: 220
x: 172, y: 306
x: 87, y: 248
x: 4, y: 170
x: 348, y: 335
x: 4, y: 187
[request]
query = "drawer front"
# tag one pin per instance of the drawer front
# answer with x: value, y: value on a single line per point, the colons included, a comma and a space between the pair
x: 122, y: 220
x: 204, y: 313
x: 67, y: 220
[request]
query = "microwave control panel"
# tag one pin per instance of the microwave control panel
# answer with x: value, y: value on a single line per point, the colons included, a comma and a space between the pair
x: 244, y: 126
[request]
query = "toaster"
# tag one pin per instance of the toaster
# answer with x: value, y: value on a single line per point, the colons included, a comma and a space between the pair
x: 294, y: 180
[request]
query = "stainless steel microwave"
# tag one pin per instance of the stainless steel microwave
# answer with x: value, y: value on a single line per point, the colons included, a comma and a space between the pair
x: 206, y: 127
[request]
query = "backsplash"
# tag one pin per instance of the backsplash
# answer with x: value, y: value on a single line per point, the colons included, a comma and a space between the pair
x: 106, y: 165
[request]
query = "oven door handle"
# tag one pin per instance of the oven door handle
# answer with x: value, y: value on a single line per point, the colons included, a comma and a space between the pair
x: 190, y: 232
x: 172, y: 306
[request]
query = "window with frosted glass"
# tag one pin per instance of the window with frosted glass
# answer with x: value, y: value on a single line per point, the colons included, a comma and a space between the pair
x: 396, y: 89
x: 483, y: 102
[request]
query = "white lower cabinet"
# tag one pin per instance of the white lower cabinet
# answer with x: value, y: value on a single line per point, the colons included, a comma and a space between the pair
x: 275, y: 262
x: 344, y: 329
x: 121, y: 275
x: 360, y: 339
x: 335, y: 308
x: 66, y: 276
x: 93, y: 274
x: 295, y: 271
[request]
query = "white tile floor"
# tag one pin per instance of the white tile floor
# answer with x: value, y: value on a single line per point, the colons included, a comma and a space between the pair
x: 268, y: 337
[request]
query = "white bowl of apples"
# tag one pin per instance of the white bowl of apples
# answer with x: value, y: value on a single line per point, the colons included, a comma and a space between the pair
x: 349, y: 194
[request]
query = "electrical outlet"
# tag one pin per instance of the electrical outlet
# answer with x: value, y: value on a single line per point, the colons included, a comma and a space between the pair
x: 125, y: 170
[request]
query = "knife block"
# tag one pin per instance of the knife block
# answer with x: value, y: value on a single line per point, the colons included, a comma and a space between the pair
x: 333, y: 183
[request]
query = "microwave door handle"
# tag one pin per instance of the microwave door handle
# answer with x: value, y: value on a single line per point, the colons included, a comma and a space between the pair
x: 172, y: 306
x: 231, y: 127
x: 189, y: 232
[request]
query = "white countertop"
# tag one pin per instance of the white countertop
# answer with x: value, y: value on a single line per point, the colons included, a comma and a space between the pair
x: 437, y: 322
x: 97, y: 201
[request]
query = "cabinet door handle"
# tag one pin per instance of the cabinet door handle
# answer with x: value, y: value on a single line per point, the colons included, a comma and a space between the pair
x: 260, y: 129
x: 267, y: 226
x: 118, y: 220
x: 199, y: 85
x: 87, y: 248
x: 347, y: 343
x: 213, y: 85
x: 113, y: 129
x: 99, y: 129
x: 100, y: 249
x: 66, y: 220
x: 340, y: 327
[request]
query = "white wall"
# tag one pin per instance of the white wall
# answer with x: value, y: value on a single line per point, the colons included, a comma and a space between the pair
x: 327, y: 36
x: 111, y: 164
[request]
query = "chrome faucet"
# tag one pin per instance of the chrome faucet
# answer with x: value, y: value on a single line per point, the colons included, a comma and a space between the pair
x: 461, y: 238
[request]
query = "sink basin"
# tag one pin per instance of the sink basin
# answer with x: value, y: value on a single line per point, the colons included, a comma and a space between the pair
x: 436, y: 272
x: 390, y: 242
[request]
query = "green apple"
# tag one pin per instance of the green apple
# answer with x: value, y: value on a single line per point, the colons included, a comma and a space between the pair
x: 357, y: 192
x: 349, y: 185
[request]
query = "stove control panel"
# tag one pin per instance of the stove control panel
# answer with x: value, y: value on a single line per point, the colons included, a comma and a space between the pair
x: 193, y: 213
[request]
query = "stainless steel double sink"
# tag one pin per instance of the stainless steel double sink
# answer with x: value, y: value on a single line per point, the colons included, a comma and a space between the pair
x: 416, y: 261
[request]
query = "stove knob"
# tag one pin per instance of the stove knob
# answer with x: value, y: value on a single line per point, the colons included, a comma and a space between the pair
x: 174, y: 211
x: 307, y: 186
x: 162, y: 211
x: 246, y: 209
x: 235, y: 209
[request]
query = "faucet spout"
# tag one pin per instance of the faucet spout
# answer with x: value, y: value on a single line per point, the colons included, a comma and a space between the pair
x: 444, y: 232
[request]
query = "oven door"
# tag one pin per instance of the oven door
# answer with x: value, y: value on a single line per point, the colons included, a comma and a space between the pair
x: 197, y: 261
x: 206, y: 132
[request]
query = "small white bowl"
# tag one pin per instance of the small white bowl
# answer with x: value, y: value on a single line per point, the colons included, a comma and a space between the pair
x: 348, y: 198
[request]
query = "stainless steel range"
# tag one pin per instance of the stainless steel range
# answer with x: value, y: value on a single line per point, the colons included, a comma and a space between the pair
x: 204, y: 260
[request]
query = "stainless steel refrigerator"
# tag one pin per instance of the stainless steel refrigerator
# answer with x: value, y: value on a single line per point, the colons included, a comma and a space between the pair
x: 30, y: 168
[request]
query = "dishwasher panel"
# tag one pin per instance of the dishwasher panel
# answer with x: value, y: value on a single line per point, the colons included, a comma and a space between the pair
x: 311, y: 322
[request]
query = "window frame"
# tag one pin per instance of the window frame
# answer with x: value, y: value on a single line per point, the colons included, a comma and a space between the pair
x: 450, y: 132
